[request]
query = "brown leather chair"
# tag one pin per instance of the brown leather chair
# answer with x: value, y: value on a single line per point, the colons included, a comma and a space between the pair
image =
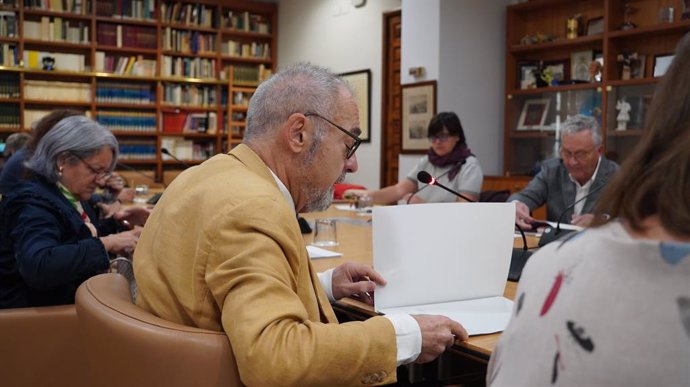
x: 128, y: 346
x: 42, y: 347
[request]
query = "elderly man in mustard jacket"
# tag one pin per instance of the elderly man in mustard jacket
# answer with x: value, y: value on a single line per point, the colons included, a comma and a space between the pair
x: 222, y: 249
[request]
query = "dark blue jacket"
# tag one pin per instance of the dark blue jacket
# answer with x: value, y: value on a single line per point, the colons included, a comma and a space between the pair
x: 13, y: 171
x: 46, y: 250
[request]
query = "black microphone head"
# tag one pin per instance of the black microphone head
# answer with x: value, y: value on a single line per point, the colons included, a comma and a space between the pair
x: 425, y: 177
x: 165, y: 151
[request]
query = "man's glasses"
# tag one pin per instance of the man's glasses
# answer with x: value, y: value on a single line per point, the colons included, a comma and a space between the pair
x: 100, y: 175
x: 350, y: 149
x: 580, y: 156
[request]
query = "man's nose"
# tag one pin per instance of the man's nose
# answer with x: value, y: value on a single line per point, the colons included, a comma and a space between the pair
x: 351, y: 164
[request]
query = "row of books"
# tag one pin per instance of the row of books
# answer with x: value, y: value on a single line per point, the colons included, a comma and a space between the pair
x: 137, y: 150
x: 144, y: 122
x: 179, y: 121
x: 240, y: 98
x: 9, y: 54
x: 81, y: 7
x: 57, y: 29
x: 9, y: 116
x: 119, y: 35
x: 57, y: 91
x: 247, y: 74
x: 32, y: 116
x: 188, y: 41
x: 246, y: 21
x: 9, y: 85
x: 126, y: 9
x: 188, y: 67
x: 62, y: 61
x: 132, y: 93
x: 125, y: 65
x: 187, y: 149
x: 189, y: 95
x: 8, y: 24
x: 194, y: 14
x: 246, y: 49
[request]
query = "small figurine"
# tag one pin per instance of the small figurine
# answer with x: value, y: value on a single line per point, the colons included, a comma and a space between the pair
x: 627, y: 60
x: 573, y: 26
x: 595, y: 69
x: 627, y: 13
x: 623, y: 108
x: 48, y: 63
x: 547, y: 77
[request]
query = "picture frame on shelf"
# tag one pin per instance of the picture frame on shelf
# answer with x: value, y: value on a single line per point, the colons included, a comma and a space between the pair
x: 361, y: 84
x: 560, y: 70
x: 526, y: 75
x: 579, y: 65
x: 418, y: 107
x: 533, y: 115
x: 661, y: 63
x: 595, y: 26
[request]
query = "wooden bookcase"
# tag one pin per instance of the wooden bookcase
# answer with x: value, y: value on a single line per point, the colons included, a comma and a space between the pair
x: 533, y: 115
x: 158, y: 73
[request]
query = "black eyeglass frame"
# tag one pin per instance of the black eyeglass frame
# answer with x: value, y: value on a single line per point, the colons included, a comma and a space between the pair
x: 350, y: 149
x: 99, y: 175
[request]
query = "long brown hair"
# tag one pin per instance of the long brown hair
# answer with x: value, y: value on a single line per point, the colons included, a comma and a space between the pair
x: 655, y: 178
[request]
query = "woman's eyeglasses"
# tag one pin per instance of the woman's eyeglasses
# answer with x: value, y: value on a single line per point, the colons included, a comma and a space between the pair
x: 100, y: 175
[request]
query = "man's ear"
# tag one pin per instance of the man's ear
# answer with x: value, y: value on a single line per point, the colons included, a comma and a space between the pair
x: 295, y: 134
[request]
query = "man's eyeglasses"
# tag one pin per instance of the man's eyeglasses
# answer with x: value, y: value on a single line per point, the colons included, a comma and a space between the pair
x: 100, y: 175
x: 580, y: 156
x: 350, y: 149
x: 439, y: 137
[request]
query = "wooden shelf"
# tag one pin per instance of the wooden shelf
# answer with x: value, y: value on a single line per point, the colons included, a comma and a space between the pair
x: 533, y: 134
x: 625, y: 133
x: 191, y: 27
x: 128, y: 50
x: 582, y: 41
x: 57, y: 44
x: 59, y: 103
x: 189, y: 107
x: 190, y: 135
x: 115, y: 105
x: 554, y: 89
x: 647, y: 31
x: 205, y: 54
x: 129, y: 21
x: 245, y: 34
x: 124, y: 133
x: 208, y: 81
x: 64, y: 15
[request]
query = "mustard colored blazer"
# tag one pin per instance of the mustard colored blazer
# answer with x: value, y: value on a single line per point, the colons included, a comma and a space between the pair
x: 222, y: 250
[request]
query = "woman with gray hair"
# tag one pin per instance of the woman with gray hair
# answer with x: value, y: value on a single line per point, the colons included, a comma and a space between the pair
x: 51, y: 240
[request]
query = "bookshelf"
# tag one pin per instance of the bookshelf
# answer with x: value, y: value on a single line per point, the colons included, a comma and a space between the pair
x: 537, y: 35
x: 157, y: 73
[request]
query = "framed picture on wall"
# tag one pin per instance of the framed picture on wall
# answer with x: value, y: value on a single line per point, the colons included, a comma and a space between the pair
x: 361, y: 84
x: 418, y: 107
x: 533, y: 114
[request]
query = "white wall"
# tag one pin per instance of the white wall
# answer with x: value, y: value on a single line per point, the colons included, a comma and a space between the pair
x: 334, y: 34
x: 468, y: 67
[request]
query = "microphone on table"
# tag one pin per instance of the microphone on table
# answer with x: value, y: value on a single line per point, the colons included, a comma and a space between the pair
x: 426, y: 178
x: 518, y: 257
x: 550, y: 234
x: 165, y: 151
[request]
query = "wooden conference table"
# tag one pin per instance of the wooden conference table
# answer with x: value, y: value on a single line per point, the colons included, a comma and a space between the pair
x: 355, y: 243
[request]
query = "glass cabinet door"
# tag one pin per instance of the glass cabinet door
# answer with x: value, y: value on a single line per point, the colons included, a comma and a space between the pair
x: 626, y: 107
x: 537, y: 119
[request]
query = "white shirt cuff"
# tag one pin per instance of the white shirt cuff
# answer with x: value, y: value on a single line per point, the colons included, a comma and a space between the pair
x: 408, y: 337
x: 326, y: 279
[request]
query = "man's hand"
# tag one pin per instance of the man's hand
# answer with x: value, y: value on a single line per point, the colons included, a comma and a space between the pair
x: 522, y: 217
x: 353, y: 193
x: 355, y: 279
x: 438, y: 334
x: 583, y: 220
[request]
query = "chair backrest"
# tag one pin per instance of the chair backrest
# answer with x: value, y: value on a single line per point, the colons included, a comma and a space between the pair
x: 128, y: 346
x: 494, y: 196
x: 42, y: 347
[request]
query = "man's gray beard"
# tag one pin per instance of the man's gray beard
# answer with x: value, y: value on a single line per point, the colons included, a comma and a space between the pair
x: 322, y: 200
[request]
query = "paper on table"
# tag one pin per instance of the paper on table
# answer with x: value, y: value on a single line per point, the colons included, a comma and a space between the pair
x: 446, y: 253
x: 317, y: 252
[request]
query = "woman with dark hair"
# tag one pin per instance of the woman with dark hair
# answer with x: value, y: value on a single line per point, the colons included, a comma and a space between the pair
x: 50, y: 238
x: 610, y: 306
x: 448, y: 160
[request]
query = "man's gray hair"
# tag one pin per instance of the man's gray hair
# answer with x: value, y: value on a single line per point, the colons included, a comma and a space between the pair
x: 579, y: 123
x: 76, y: 136
x: 300, y: 88
x: 15, y: 141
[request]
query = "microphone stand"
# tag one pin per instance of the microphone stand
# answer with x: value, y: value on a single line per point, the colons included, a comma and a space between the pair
x: 165, y: 151
x: 550, y: 234
x: 519, y: 257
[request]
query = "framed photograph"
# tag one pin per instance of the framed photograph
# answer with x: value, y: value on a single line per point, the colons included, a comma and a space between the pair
x: 418, y: 107
x: 560, y: 70
x: 361, y: 83
x: 533, y: 114
x: 526, y: 77
x: 595, y: 26
x: 661, y: 63
x: 579, y: 65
